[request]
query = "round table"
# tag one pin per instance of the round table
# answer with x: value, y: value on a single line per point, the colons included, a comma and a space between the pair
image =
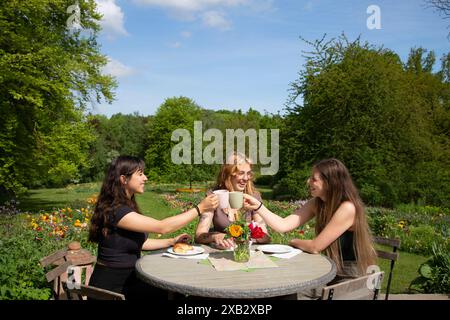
x: 189, y: 277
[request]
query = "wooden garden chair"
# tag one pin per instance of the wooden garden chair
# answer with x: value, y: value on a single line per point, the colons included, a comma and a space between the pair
x: 392, y: 256
x: 80, y: 260
x: 362, y: 288
x: 84, y: 292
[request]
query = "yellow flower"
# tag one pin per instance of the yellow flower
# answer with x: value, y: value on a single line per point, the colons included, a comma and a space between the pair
x: 235, y: 230
x: 77, y: 223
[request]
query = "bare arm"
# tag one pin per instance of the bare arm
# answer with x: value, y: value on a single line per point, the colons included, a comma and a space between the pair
x: 139, y: 223
x: 154, y: 244
x: 341, y: 221
x: 294, y: 220
x: 202, y: 234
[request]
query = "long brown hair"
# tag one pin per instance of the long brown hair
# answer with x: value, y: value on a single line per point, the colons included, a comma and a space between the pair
x: 339, y: 187
x: 230, y: 169
x: 113, y: 195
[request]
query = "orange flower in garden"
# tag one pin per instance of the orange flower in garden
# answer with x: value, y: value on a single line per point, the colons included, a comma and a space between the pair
x: 92, y: 200
x: 235, y: 230
x: 77, y: 223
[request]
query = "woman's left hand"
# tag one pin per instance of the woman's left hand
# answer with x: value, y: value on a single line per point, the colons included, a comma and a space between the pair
x: 184, y: 237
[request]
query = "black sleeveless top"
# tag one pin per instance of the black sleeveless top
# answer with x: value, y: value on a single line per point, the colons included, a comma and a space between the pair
x: 346, y: 243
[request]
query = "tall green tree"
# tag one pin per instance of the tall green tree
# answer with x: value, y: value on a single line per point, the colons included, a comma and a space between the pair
x: 175, y: 113
x: 122, y: 134
x: 361, y: 104
x: 48, y: 74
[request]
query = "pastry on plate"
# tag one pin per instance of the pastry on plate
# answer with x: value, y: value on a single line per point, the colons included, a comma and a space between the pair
x: 182, y: 247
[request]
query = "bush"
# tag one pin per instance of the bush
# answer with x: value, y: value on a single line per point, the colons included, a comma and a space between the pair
x: 25, y: 239
x: 434, y: 273
x: 293, y: 185
x: 381, y: 222
x: 417, y: 227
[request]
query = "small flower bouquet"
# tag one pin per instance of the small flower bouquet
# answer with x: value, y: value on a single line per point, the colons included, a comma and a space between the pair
x: 242, y: 233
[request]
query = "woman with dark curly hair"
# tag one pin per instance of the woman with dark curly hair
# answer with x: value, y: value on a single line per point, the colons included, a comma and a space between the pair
x: 121, y: 230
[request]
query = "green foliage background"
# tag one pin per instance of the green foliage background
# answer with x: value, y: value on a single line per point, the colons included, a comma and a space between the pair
x: 387, y: 120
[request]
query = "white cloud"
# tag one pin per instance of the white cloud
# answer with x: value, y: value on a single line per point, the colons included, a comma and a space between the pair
x: 210, y: 12
x: 117, y: 69
x: 186, y: 34
x: 216, y: 19
x: 192, y: 5
x: 112, y: 21
x: 175, y: 45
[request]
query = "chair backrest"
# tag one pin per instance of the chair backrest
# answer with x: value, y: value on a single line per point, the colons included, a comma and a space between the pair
x: 394, y: 243
x: 83, y: 292
x: 63, y: 259
x: 56, y: 273
x: 362, y: 288
x: 392, y: 256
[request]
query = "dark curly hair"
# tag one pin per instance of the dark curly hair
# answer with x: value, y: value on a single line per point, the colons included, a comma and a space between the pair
x: 113, y: 195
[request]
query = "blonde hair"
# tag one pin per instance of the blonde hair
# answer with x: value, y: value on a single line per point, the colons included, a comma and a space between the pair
x: 339, y: 187
x: 230, y: 169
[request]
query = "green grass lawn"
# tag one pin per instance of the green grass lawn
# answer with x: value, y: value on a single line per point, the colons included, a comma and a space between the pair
x: 405, y: 270
x: 152, y: 204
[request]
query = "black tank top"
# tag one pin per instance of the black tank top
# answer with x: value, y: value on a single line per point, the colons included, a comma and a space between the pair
x: 346, y: 243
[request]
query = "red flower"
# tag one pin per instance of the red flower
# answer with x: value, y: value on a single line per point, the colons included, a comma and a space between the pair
x: 255, y: 231
x: 302, y: 232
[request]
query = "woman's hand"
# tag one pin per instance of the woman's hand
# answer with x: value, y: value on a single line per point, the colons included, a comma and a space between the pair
x: 250, y: 203
x: 221, y: 243
x: 210, y: 203
x: 184, y: 237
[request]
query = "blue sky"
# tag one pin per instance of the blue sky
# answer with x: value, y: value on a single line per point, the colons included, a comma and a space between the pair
x: 237, y: 54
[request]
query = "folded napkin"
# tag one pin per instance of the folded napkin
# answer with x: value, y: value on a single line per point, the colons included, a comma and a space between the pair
x: 287, y: 255
x: 195, y: 256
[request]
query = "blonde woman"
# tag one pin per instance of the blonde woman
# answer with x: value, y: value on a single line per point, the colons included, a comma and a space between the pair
x: 342, y: 232
x: 235, y: 175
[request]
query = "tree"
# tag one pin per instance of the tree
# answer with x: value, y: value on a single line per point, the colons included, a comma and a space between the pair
x: 48, y: 75
x: 175, y: 113
x: 119, y: 135
x: 442, y: 6
x: 361, y: 104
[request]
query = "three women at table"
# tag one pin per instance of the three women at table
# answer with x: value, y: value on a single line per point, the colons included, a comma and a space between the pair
x: 121, y: 231
x: 342, y: 232
x: 235, y: 175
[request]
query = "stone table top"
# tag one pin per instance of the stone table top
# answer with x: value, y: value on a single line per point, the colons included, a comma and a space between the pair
x: 191, y: 277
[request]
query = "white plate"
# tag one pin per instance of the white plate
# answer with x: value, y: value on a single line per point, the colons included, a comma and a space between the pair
x: 194, y: 251
x: 274, y: 248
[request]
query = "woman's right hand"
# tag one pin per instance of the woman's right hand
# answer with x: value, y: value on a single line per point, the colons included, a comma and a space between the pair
x: 221, y: 243
x: 250, y: 203
x: 208, y: 204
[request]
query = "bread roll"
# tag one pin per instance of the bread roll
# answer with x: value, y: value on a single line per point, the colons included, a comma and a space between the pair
x: 181, y: 247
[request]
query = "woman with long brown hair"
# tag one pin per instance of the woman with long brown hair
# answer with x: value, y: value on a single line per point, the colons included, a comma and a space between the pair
x: 342, y: 232
x: 121, y: 230
x: 234, y: 175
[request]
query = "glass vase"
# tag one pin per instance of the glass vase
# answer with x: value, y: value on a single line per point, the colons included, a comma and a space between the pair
x: 241, y: 251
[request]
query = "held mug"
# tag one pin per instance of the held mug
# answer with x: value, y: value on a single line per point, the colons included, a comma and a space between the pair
x: 236, y: 199
x: 223, y: 196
